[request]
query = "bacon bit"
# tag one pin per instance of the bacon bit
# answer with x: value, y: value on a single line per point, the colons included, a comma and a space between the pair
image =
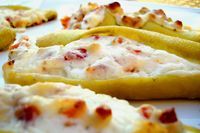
x: 178, y: 24
x: 27, y: 113
x: 96, y: 37
x: 77, y: 109
x: 81, y: 54
x: 146, y: 111
x: 159, y: 12
x: 144, y: 10
x: 133, y: 22
x: 65, y: 21
x: 11, y: 62
x: 168, y: 116
x: 104, y: 112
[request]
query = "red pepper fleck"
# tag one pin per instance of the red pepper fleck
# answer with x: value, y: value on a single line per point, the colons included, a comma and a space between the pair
x: 120, y: 40
x: 65, y: 21
x: 103, y: 111
x: 27, y: 113
x: 81, y: 53
x: 137, y: 51
x: 146, y: 111
x: 96, y: 37
x: 9, y: 19
x: 168, y: 116
x: 14, y: 46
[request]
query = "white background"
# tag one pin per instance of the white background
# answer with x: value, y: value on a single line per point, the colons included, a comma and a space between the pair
x: 188, y: 110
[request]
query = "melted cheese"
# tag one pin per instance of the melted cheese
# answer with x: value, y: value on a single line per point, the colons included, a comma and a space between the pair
x: 48, y: 98
x: 21, y: 18
x: 91, y: 16
x: 99, y: 57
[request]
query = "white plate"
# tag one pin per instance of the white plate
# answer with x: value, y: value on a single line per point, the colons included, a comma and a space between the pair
x: 188, y: 110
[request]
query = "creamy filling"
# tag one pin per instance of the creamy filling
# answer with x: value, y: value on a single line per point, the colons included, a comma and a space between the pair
x: 21, y: 18
x: 88, y: 16
x: 99, y: 57
x: 57, y: 107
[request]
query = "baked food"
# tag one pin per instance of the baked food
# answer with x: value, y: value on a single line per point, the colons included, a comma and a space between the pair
x: 120, y: 61
x: 57, y: 107
x: 94, y: 15
x: 12, y: 17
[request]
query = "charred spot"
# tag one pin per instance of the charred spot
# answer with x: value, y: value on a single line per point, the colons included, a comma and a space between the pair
x: 144, y: 10
x: 76, y: 110
x: 159, y: 12
x: 11, y: 62
x: 132, y: 69
x: 178, y: 24
x: 113, y: 5
x: 27, y: 113
x: 133, y: 22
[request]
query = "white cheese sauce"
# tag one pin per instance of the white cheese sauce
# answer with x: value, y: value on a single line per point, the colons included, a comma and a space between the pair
x: 46, y: 98
x: 100, y: 57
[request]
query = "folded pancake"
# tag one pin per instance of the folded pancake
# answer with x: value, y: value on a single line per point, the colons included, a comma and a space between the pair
x: 7, y: 36
x: 94, y: 15
x: 14, y: 17
x: 120, y: 61
x: 67, y: 108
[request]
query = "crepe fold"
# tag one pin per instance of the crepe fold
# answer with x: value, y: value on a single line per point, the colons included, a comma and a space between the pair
x: 7, y: 37
x: 186, y: 85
